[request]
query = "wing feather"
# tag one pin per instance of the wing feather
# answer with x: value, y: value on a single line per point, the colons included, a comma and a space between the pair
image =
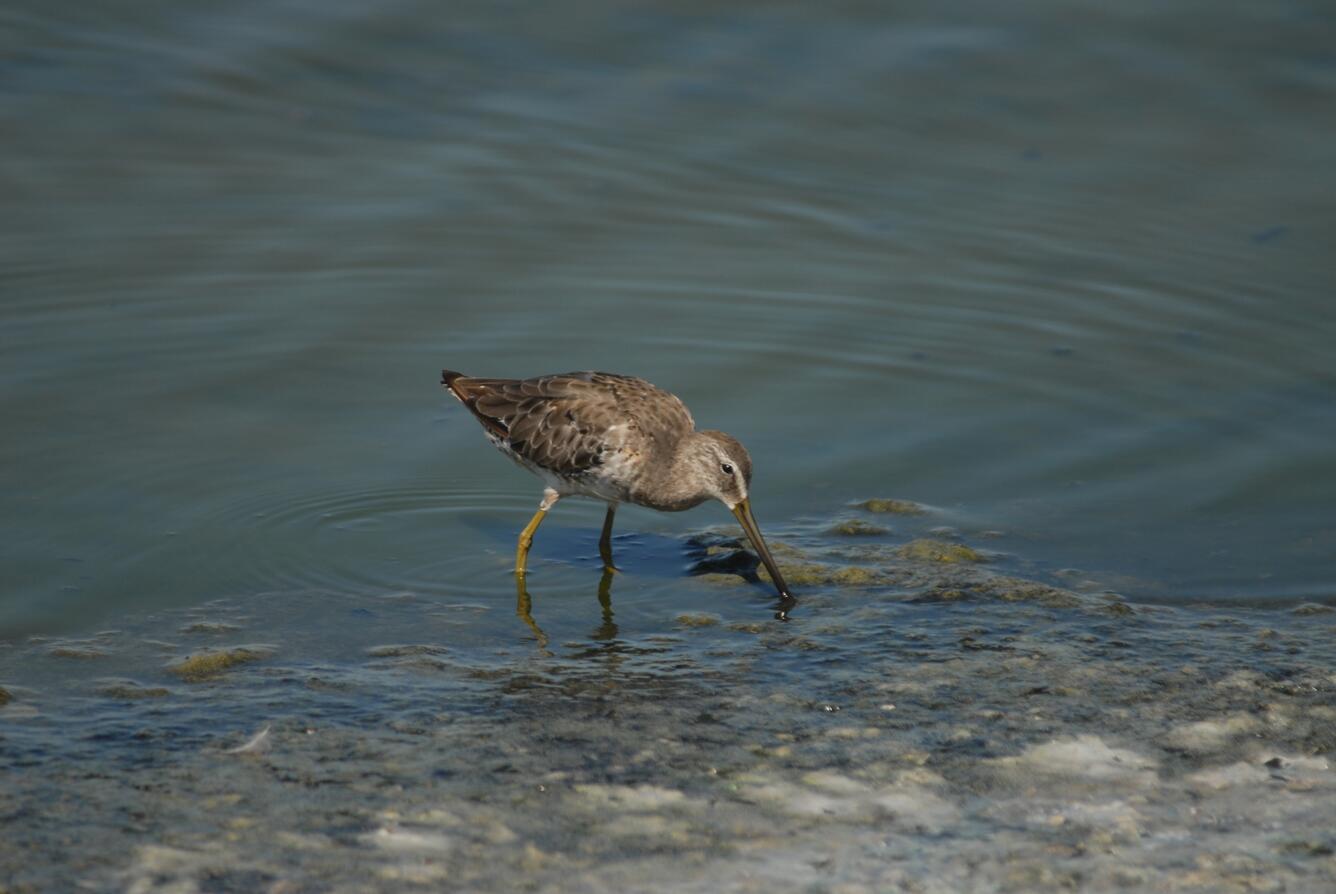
x: 568, y: 423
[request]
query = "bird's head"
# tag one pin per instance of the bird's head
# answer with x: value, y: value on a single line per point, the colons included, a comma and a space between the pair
x: 724, y: 469
x: 723, y: 466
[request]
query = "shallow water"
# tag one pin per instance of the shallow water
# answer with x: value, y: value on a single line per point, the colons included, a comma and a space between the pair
x: 966, y: 730
x: 1057, y: 272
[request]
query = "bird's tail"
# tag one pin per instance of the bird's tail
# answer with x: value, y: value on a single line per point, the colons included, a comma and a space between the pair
x: 448, y: 377
x: 468, y: 391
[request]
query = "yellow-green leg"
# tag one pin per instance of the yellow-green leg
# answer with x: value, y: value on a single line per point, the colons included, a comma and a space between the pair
x: 605, y: 540
x: 550, y: 497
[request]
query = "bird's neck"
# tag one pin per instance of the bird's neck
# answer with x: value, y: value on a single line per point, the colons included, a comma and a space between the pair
x: 671, y: 486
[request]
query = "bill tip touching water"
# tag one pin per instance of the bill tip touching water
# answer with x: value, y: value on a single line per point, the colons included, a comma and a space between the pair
x: 617, y: 439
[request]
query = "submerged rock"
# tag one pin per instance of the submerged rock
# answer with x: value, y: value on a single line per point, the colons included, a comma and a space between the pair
x: 895, y: 507
x: 406, y: 650
x: 857, y: 528
x: 928, y: 550
x: 79, y: 652
x: 204, y: 665
x: 811, y: 574
x: 131, y: 691
x: 5, y: 697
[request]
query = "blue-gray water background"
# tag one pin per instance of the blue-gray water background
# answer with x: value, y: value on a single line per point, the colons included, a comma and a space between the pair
x: 1060, y: 270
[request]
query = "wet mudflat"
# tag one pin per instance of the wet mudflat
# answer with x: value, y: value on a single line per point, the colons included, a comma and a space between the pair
x: 934, y: 718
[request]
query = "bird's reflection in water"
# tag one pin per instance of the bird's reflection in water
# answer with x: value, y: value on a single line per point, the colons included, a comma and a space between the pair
x: 606, y: 631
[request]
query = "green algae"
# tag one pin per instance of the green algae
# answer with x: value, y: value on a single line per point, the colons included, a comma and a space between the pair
x: 929, y: 550
x: 717, y: 578
x: 857, y: 528
x: 205, y: 665
x: 1003, y: 589
x: 854, y: 576
x: 811, y: 574
x: 804, y: 574
x: 894, y: 507
x: 1314, y: 608
x: 697, y: 619
x: 1011, y: 590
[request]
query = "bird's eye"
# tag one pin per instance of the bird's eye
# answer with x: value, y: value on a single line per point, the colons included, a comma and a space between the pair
x: 726, y: 469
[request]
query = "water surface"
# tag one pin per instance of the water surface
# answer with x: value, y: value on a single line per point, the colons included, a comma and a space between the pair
x: 1061, y: 271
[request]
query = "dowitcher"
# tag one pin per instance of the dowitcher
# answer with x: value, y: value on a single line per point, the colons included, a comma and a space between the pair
x: 613, y: 438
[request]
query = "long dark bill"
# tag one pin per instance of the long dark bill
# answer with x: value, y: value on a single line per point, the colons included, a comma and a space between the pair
x: 742, y: 511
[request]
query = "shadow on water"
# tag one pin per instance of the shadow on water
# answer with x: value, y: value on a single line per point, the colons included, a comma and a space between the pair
x: 664, y: 556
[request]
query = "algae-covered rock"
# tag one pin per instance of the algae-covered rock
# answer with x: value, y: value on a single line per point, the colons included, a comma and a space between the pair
x: 82, y: 653
x: 798, y: 574
x: 5, y: 697
x: 894, y: 507
x: 204, y: 665
x: 854, y: 576
x: 1012, y: 590
x: 927, y: 550
x: 1314, y: 608
x: 697, y: 619
x: 717, y: 578
x: 1002, y: 589
x: 857, y: 528
x: 810, y: 574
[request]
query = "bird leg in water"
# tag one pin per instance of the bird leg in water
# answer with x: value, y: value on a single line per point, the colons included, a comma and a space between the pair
x: 605, y: 539
x: 524, y: 608
x: 550, y: 498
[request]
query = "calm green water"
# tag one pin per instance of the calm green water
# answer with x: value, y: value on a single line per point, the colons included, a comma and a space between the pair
x: 1059, y: 271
